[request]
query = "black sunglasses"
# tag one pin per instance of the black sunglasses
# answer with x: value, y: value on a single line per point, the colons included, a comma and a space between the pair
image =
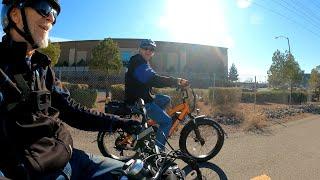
x: 149, y: 48
x: 44, y: 8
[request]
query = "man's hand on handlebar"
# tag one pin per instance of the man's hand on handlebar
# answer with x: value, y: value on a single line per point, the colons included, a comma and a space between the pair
x: 183, y: 82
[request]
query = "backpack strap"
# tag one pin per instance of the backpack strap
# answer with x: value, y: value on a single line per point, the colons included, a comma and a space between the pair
x: 22, y: 84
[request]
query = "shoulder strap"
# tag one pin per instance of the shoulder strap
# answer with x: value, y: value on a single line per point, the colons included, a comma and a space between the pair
x: 22, y: 84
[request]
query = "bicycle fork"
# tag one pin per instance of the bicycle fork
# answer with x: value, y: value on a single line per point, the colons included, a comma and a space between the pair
x: 197, y: 133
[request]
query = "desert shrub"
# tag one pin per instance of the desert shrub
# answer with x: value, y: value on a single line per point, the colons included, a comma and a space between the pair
x: 117, y: 92
x: 255, y: 122
x: 172, y: 92
x: 224, y: 100
x: 202, y: 95
x: 176, y: 96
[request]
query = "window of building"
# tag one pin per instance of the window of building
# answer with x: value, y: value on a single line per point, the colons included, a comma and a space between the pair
x: 125, y: 56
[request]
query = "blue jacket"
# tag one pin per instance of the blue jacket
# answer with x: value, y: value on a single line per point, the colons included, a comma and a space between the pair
x: 141, y: 78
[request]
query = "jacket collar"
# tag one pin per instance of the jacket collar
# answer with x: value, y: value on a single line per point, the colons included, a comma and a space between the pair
x: 15, y: 53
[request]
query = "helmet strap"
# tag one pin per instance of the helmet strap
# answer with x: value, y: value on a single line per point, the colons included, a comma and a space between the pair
x: 26, y: 34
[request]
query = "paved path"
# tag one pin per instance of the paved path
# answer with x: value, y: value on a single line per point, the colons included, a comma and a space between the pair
x: 289, y: 151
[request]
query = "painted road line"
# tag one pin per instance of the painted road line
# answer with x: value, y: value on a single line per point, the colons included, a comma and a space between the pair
x: 262, y: 177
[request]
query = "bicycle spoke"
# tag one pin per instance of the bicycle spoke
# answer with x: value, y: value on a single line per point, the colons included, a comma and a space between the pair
x: 208, y: 134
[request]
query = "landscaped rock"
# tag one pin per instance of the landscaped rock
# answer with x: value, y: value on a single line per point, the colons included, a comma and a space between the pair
x: 291, y: 111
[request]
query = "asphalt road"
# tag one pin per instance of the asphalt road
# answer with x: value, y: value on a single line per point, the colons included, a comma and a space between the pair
x: 287, y: 151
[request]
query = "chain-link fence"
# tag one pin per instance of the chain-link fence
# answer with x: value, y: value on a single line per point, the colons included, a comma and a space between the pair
x: 254, y: 90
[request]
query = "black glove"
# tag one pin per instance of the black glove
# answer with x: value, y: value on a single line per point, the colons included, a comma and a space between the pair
x: 130, y: 126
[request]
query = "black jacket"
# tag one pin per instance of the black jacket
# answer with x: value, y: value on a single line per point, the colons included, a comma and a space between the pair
x: 140, y: 78
x: 12, y: 62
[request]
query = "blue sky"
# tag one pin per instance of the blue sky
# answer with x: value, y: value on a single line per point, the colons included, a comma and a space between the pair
x: 246, y: 27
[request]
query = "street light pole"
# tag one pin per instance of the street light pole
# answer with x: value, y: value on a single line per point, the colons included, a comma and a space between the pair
x: 287, y: 41
x: 289, y: 58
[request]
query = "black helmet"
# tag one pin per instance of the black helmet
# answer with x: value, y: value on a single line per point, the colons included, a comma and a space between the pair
x: 147, y: 43
x: 39, y: 5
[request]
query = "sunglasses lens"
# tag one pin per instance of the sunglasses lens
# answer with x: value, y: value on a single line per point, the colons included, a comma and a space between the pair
x: 43, y: 8
x: 149, y: 48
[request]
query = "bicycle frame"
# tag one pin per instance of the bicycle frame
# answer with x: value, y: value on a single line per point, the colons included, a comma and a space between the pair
x: 183, y: 109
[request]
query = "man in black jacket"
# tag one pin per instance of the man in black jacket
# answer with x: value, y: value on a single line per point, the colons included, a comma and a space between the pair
x: 139, y: 81
x: 35, y: 144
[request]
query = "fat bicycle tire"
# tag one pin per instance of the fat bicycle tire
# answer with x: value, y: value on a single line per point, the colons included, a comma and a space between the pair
x: 190, y: 127
x: 102, y: 139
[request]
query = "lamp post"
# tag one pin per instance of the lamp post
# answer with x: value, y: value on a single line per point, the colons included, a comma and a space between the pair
x: 290, y: 58
x: 287, y: 40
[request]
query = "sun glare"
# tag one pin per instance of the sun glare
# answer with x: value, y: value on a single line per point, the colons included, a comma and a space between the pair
x: 196, y: 21
x: 243, y: 3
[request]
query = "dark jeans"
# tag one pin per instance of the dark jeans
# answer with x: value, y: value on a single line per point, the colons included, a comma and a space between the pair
x: 84, y: 166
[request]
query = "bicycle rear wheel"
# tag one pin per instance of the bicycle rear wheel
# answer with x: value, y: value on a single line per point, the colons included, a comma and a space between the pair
x: 202, y: 140
x: 108, y: 144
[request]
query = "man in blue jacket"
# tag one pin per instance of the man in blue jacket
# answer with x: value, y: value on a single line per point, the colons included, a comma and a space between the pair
x: 139, y: 81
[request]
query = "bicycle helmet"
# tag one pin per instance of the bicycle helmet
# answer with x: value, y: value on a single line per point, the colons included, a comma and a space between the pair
x: 147, y: 43
x: 43, y: 7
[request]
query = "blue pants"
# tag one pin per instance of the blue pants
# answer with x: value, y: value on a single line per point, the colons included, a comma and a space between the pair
x: 156, y: 111
x: 83, y: 166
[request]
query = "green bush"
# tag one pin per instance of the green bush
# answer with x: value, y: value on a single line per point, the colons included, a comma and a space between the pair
x: 247, y: 97
x: 275, y: 96
x: 86, y: 97
x: 72, y: 87
x: 117, y: 92
x: 299, y: 97
x: 82, y: 94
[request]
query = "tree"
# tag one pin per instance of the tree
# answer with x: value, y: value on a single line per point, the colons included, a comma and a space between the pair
x: 53, y: 51
x: 106, y: 57
x: 314, y: 81
x: 292, y: 72
x: 233, y: 73
x: 275, y: 72
x: 285, y: 70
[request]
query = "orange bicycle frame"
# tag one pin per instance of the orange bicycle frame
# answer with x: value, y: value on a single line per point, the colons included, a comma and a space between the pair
x: 183, y: 108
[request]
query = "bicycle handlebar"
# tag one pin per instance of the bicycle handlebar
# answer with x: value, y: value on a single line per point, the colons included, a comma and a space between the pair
x: 185, y: 93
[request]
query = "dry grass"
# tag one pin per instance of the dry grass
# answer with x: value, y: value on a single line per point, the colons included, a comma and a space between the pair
x: 251, y: 115
x: 255, y: 122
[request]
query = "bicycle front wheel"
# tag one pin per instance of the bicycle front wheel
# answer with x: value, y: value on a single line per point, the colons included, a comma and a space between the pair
x: 202, y: 140
x: 108, y: 144
x: 208, y: 171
